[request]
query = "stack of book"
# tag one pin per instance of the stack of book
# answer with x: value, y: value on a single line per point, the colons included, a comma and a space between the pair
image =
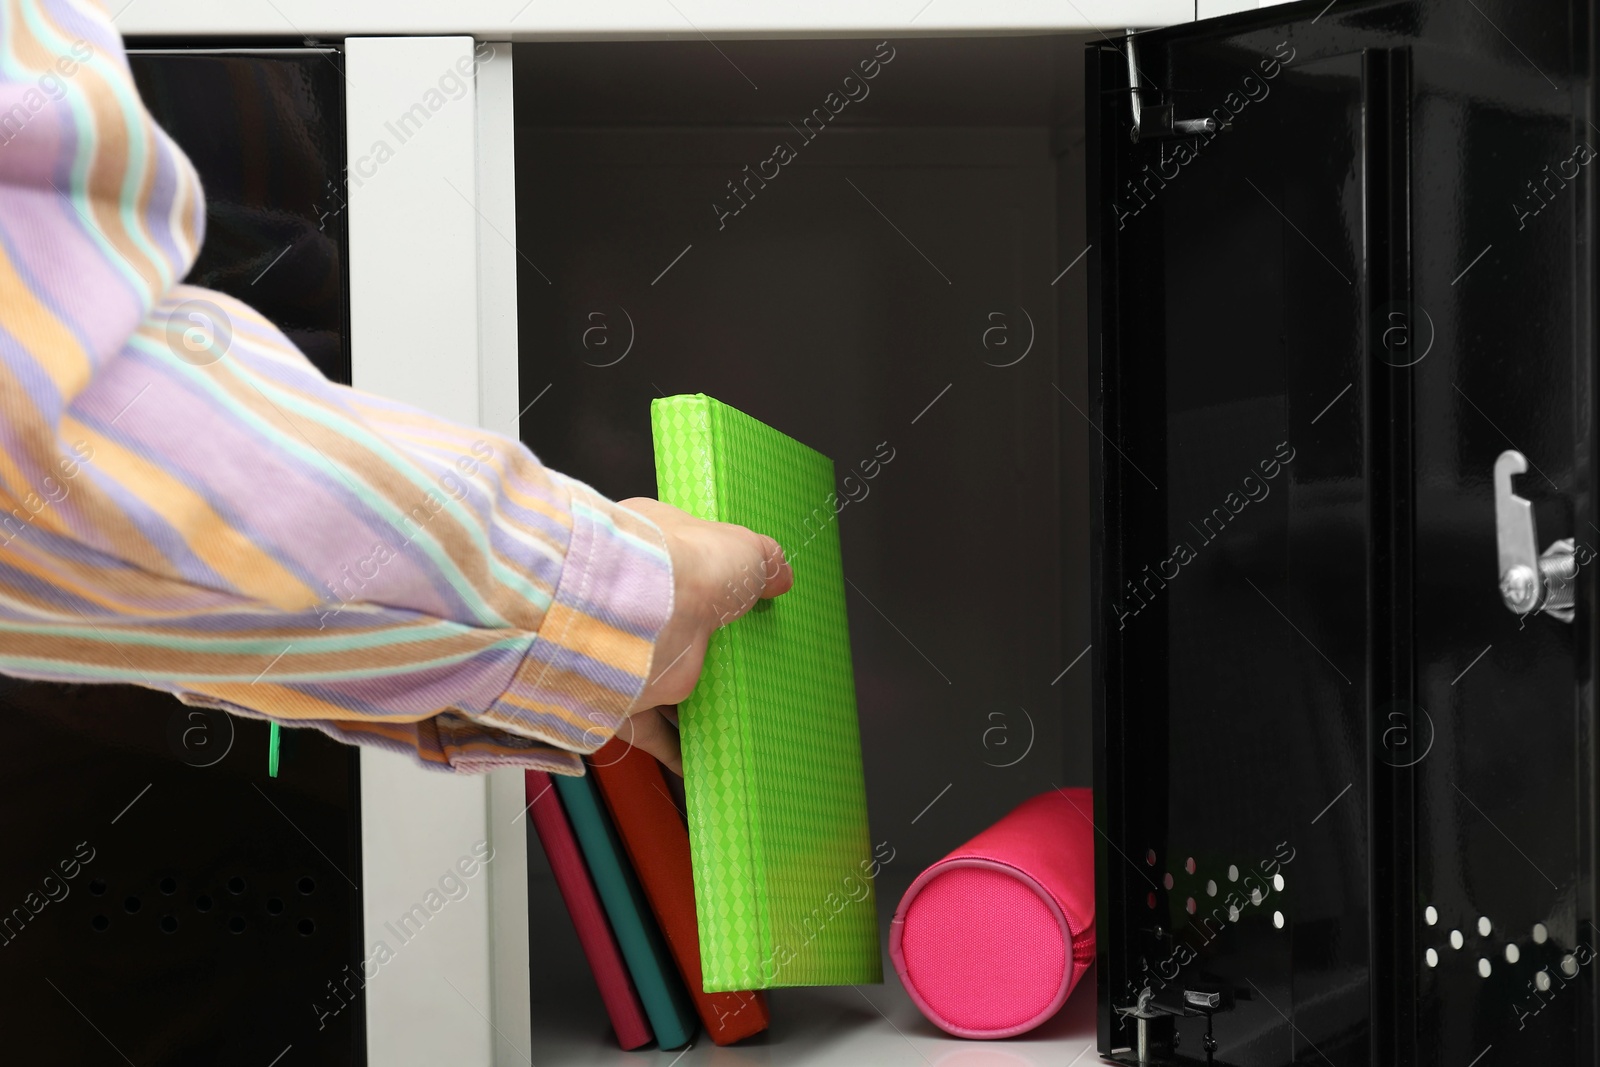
x: 619, y: 849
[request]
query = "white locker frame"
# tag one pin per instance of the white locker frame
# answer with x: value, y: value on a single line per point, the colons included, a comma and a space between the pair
x: 523, y: 20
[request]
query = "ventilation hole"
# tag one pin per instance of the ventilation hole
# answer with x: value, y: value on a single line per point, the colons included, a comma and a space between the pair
x: 1150, y: 899
x: 236, y: 924
x: 308, y: 886
x: 1569, y: 965
x: 306, y: 927
x: 236, y: 885
x: 202, y: 903
x: 1211, y: 888
x: 168, y: 886
x: 1540, y: 934
x: 1277, y: 882
x: 1542, y: 980
x: 274, y: 906
x: 131, y: 904
x: 169, y: 924
x: 1255, y: 896
x: 1484, y: 926
x: 1166, y: 880
x: 1430, y: 915
x: 1190, y: 906
x: 1513, y: 953
x: 1484, y: 968
x: 1233, y: 873
x: 1432, y: 957
x: 100, y: 924
x: 1188, y: 864
x: 1277, y: 919
x: 98, y: 886
x: 1456, y: 940
x: 1233, y: 913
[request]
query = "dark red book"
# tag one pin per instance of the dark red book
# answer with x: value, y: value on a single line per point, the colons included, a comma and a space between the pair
x: 583, y: 904
x: 656, y: 838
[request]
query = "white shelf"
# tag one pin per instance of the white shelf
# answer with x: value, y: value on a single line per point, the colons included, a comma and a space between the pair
x: 835, y: 1026
x: 827, y: 1027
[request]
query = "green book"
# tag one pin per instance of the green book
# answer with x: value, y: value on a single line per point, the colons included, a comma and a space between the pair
x: 777, y: 805
x: 661, y: 991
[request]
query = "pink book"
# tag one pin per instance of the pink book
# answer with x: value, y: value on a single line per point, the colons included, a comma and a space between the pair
x: 583, y: 903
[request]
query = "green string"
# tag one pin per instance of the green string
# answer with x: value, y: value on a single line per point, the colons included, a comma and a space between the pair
x: 272, y: 752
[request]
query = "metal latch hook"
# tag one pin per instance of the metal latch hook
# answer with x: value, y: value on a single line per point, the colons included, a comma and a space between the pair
x: 1529, y: 581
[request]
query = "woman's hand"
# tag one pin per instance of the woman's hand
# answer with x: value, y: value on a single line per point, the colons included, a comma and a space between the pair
x: 719, y: 571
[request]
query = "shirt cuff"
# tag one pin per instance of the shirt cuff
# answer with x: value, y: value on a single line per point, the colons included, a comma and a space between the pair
x: 591, y: 657
x: 445, y: 742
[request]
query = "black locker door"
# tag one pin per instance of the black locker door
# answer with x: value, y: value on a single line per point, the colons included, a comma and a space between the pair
x: 212, y: 914
x: 1346, y: 793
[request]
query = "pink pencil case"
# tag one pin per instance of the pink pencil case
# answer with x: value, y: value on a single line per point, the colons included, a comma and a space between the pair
x: 991, y: 939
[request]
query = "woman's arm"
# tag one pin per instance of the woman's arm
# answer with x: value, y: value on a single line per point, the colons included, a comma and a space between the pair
x: 186, y: 503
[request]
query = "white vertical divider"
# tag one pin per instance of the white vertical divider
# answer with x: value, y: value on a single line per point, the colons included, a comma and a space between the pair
x: 411, y: 128
x: 499, y: 403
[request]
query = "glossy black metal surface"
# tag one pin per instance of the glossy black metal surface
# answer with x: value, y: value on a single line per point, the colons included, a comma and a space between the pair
x: 1357, y: 270
x: 209, y: 906
x: 265, y: 131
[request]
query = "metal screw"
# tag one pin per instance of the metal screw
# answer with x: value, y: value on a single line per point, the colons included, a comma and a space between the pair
x: 1517, y: 586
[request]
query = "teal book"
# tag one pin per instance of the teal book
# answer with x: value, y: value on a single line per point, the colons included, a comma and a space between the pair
x: 666, y: 1001
x: 777, y: 805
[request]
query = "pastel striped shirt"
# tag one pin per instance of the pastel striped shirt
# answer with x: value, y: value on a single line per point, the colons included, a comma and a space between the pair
x: 239, y: 531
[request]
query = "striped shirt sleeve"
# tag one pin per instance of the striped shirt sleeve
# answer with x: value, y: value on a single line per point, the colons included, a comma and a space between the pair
x: 210, y: 516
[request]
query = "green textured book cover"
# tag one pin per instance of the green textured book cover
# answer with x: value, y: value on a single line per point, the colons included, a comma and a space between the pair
x: 777, y: 806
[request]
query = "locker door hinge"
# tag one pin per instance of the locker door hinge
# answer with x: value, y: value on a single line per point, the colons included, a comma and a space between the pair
x: 1151, y: 121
